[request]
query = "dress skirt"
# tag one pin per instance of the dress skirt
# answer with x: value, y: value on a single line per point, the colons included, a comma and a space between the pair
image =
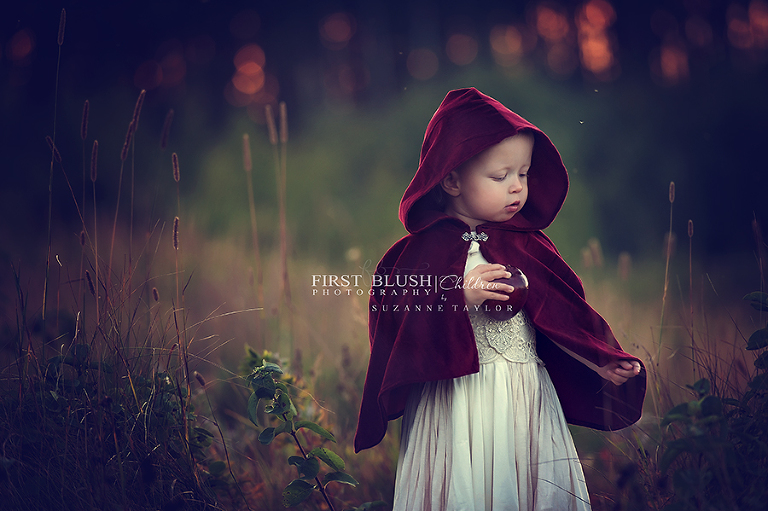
x: 494, y: 440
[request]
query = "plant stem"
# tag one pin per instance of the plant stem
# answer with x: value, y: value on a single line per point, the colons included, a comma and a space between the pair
x: 304, y: 454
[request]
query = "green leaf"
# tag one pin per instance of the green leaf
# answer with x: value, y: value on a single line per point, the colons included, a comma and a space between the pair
x: 266, y: 436
x: 217, y: 468
x: 759, y: 382
x: 673, y: 450
x: 201, y: 437
x: 280, y: 405
x: 308, y: 468
x: 678, y: 413
x: 263, y: 386
x: 285, y: 427
x: 758, y: 340
x: 315, y: 428
x: 339, y: 477
x: 268, y: 368
x: 759, y: 300
x: 711, y: 406
x: 762, y: 361
x: 297, y: 492
x: 253, y: 407
x: 701, y: 387
x: 328, y: 457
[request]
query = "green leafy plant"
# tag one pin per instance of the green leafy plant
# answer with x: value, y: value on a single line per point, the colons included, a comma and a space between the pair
x: 718, y: 453
x: 267, y: 384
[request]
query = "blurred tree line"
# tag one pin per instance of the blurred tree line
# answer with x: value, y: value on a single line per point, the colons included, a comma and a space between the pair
x: 634, y: 94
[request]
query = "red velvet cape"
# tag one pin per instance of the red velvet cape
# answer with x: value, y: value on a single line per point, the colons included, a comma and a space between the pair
x: 418, y: 323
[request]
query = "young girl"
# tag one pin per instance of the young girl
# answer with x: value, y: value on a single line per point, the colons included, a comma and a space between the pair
x: 485, y: 401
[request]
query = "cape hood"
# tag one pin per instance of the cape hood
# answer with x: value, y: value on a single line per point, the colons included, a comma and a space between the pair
x: 466, y: 123
x: 419, y: 325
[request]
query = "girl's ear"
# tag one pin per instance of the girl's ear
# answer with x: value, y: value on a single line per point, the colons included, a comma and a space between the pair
x: 450, y: 184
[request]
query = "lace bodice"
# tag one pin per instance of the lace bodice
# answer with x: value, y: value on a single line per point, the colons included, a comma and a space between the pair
x: 513, y: 339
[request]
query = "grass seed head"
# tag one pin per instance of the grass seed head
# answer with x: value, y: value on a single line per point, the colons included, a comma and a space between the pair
x: 84, y: 123
x: 155, y: 294
x: 137, y: 108
x: 128, y: 139
x: 62, y: 24
x: 88, y: 279
x: 176, y: 233
x: 94, y: 159
x: 671, y: 192
x: 175, y: 161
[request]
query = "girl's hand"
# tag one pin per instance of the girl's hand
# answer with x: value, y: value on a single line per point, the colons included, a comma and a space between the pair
x: 479, y: 286
x: 619, y: 371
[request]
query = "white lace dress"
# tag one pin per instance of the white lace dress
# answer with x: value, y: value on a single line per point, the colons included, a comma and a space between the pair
x: 494, y: 440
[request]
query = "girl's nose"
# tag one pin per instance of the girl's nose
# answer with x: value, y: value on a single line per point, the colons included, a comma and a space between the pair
x: 515, y: 185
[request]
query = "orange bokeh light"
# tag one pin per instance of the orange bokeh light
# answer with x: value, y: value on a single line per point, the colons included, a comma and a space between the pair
x: 250, y: 53
x: 758, y: 22
x: 20, y: 47
x: 596, y: 49
x: 506, y: 40
x: 422, y: 63
x: 596, y: 54
x: 461, y: 49
x: 249, y: 83
x: 551, y: 24
x: 599, y: 14
x: 337, y: 29
x: 174, y: 69
x: 674, y: 63
x: 562, y: 59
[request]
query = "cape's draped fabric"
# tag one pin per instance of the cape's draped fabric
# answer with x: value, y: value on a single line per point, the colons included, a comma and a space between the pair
x: 418, y: 323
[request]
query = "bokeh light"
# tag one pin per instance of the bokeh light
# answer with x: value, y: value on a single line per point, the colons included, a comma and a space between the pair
x: 148, y: 76
x: 551, y: 22
x: 758, y: 22
x: 422, y: 63
x: 562, y: 59
x: 250, y: 53
x: 596, y: 43
x: 674, y: 63
x: 461, y: 49
x: 174, y: 68
x: 699, y: 32
x: 19, y: 48
x: 336, y: 30
x: 251, y: 86
x: 510, y: 42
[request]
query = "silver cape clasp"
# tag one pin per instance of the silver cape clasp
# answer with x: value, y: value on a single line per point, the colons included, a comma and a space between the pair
x: 473, y: 236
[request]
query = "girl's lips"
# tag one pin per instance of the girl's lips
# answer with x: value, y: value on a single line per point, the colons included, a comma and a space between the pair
x: 512, y: 208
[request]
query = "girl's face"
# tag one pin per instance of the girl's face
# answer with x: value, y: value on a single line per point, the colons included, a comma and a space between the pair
x: 492, y: 186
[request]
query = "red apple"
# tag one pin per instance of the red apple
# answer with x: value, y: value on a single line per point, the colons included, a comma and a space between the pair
x: 503, y: 310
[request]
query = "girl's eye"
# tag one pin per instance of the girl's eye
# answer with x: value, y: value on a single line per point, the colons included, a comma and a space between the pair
x: 499, y: 178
